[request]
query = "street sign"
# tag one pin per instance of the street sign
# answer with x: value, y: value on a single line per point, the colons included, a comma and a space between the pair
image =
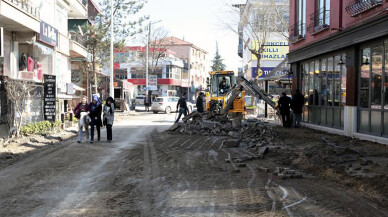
x: 152, y: 82
x: 1, y: 42
x: 49, y: 97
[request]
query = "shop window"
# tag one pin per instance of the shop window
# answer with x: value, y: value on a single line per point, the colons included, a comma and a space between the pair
x: 311, y: 84
x: 316, y: 83
x: 364, y: 121
x: 323, y: 80
x: 376, y: 82
x: 343, y: 80
x: 364, y: 78
x: 376, y: 122
x: 386, y: 123
x: 323, y: 116
x: 337, y: 81
x: 330, y: 88
x: 386, y: 77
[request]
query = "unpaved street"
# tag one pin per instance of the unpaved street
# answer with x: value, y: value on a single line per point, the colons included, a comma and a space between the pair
x: 148, y: 172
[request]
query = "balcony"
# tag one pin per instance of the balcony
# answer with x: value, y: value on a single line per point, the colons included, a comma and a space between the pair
x: 320, y: 21
x: 26, y: 7
x: 357, y: 7
x: 19, y: 16
x: 77, y: 45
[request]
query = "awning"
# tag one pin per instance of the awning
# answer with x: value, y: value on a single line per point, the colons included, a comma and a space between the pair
x: 75, y: 87
x: 280, y: 72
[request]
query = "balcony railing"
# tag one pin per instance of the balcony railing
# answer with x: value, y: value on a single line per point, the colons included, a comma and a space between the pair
x: 25, y: 6
x: 357, y: 7
x: 320, y: 20
x: 74, y: 36
x: 297, y: 32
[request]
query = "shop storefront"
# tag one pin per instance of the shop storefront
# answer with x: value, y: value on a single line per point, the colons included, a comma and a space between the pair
x: 323, y: 82
x: 372, y: 85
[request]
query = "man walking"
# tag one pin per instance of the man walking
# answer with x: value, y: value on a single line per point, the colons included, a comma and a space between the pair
x: 182, y: 107
x: 297, y: 103
x: 284, y: 106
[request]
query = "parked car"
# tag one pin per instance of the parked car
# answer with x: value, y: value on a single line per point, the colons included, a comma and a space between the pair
x: 164, y: 104
x: 168, y: 104
x: 140, y: 100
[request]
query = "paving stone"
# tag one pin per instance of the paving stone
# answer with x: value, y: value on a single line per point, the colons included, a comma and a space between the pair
x: 231, y: 143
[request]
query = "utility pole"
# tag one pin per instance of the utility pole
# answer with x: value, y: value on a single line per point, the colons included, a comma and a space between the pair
x: 147, y: 57
x: 111, y: 88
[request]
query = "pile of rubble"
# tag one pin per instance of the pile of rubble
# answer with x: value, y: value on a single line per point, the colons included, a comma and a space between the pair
x: 253, y: 133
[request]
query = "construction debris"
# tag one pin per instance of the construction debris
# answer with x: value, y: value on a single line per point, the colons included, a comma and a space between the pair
x: 287, y: 173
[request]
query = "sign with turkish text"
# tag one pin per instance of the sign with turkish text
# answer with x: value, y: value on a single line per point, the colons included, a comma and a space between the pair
x: 273, y: 50
x: 49, y: 97
x: 48, y: 34
x: 264, y: 71
x: 152, y: 82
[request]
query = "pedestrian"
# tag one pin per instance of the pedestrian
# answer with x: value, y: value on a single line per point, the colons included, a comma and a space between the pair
x: 182, y: 104
x: 297, y: 103
x: 147, y: 103
x: 81, y: 112
x: 95, y: 116
x: 284, y: 106
x: 200, y: 102
x: 109, y: 116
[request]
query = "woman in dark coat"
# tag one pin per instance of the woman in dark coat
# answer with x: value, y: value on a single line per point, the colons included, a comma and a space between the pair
x: 109, y: 116
x: 95, y: 116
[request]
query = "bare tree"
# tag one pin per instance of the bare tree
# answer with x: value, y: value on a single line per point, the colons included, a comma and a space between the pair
x: 259, y: 20
x: 18, y: 93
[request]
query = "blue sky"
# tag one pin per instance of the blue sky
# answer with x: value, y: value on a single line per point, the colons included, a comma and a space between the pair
x: 199, y: 22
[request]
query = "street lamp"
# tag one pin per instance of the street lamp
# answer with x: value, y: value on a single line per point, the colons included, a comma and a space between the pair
x: 147, y: 53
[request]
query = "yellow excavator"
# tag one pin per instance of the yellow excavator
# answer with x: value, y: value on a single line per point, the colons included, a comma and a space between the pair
x: 226, y: 94
x: 223, y: 97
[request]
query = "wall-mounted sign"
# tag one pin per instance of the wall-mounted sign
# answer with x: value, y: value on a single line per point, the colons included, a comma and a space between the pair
x: 273, y: 50
x: 48, y: 34
x: 264, y: 71
x: 49, y: 97
x: 152, y: 82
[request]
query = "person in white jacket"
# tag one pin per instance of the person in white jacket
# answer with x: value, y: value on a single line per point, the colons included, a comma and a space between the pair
x: 109, y: 117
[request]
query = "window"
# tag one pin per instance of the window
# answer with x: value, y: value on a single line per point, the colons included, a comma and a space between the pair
x: 364, y: 78
x: 300, y: 17
x: 376, y: 76
x: 322, y: 12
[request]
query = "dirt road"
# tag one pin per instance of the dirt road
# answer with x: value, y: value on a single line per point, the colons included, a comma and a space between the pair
x: 146, y: 172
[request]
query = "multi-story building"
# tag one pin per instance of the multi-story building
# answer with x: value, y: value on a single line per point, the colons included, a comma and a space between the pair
x: 36, y: 43
x: 339, y: 56
x: 168, y: 71
x: 196, y: 59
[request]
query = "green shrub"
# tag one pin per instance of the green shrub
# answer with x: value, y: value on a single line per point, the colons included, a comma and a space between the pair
x: 39, y: 127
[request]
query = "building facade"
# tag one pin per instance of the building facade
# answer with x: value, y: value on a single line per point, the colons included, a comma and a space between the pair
x: 38, y: 41
x: 338, y: 53
x: 167, y: 75
x: 196, y: 59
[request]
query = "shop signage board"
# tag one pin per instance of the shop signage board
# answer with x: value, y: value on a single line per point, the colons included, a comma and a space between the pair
x: 49, y: 97
x: 153, y: 82
x: 264, y: 71
x: 273, y: 50
x: 48, y: 34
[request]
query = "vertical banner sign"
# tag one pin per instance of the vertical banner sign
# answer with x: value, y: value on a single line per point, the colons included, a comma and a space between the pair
x: 1, y: 42
x: 49, y: 97
x: 153, y: 82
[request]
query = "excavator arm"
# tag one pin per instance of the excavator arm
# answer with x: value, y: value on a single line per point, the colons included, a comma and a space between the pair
x: 252, y: 88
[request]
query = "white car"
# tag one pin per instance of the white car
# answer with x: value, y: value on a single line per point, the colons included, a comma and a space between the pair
x: 167, y: 105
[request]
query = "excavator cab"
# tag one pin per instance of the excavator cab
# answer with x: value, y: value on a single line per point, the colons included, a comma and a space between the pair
x: 222, y: 85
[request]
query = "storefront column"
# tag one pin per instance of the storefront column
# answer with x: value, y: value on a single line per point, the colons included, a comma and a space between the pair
x: 350, y: 110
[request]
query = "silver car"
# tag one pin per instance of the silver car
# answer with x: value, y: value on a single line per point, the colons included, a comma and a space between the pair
x: 167, y: 104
